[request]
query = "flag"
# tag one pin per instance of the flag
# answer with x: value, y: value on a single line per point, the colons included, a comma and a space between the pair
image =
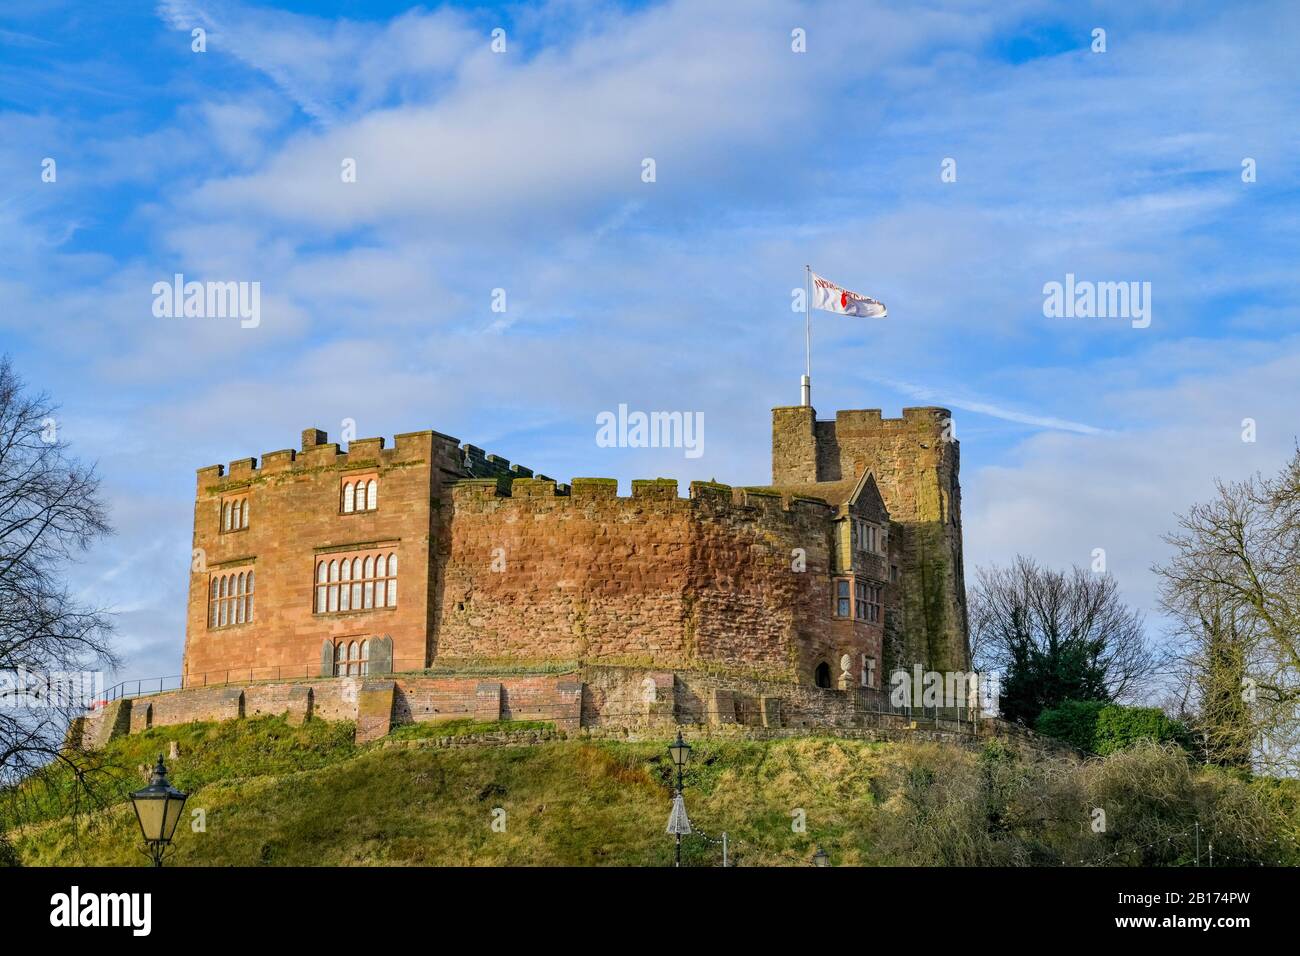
x: 831, y: 298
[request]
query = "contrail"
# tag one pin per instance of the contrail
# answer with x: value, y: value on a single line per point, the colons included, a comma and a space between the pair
x: 994, y: 411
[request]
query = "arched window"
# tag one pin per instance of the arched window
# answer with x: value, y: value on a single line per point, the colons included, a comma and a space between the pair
x: 231, y: 599
x: 823, y: 675
x: 355, y: 583
x: 349, y: 498
x: 365, y: 657
x: 234, y: 514
x: 361, y: 496
x: 345, y: 592
x: 372, y: 495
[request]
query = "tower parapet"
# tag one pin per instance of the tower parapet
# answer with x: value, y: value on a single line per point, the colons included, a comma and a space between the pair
x: 915, y: 461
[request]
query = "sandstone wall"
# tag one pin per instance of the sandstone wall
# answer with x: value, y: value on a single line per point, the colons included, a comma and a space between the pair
x: 295, y: 516
x: 916, y: 468
x: 654, y: 578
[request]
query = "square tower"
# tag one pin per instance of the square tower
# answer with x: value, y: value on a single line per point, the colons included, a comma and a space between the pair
x: 914, y: 460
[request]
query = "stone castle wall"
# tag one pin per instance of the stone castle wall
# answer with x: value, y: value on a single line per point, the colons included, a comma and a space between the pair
x: 654, y: 578
x: 295, y: 517
x: 498, y: 564
x: 629, y: 699
x: 915, y: 462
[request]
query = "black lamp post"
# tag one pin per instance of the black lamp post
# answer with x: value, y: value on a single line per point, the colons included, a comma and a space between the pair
x: 680, y: 751
x: 158, y: 808
x: 820, y: 858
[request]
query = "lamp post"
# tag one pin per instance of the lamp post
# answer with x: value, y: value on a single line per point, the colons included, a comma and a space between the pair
x: 158, y: 809
x: 820, y: 858
x: 680, y: 751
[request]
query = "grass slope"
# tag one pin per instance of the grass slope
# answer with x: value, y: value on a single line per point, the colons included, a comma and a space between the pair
x: 279, y: 795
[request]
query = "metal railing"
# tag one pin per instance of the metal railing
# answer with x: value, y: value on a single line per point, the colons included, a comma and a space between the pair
x: 148, y: 686
x: 866, y: 700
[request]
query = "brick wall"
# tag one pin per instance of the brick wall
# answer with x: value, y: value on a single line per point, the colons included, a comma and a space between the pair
x: 599, y: 699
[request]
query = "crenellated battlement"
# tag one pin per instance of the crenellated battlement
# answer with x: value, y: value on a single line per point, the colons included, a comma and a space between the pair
x: 914, y: 460
x: 317, y: 452
x: 710, y: 494
x: 454, y: 552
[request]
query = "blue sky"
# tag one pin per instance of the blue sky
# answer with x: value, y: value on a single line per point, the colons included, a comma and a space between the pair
x: 522, y: 171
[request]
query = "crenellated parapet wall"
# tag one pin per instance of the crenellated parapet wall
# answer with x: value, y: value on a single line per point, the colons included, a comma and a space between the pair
x: 293, y: 506
x: 725, y: 575
x: 317, y: 453
x: 915, y: 460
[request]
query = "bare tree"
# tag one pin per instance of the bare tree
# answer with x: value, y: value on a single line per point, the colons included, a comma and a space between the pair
x: 1056, y: 636
x: 1233, y: 586
x: 50, y: 511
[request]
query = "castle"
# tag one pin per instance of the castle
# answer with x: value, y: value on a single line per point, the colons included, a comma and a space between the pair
x: 324, y: 562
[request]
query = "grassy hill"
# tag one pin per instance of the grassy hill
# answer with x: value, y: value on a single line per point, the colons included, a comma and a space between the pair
x: 279, y: 795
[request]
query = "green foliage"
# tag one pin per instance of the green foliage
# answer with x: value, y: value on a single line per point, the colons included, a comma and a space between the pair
x: 209, y: 752
x: 1104, y: 728
x: 465, y: 727
x: 1119, y: 727
x: 280, y: 795
x: 1074, y: 721
x: 1039, y: 678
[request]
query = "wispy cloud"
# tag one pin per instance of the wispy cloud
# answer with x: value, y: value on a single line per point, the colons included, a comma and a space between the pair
x: 927, y: 394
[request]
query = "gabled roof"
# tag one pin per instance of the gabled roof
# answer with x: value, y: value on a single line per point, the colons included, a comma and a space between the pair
x: 842, y: 495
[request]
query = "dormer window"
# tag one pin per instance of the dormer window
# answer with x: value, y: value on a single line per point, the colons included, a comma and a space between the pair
x: 360, y: 493
x: 234, y: 513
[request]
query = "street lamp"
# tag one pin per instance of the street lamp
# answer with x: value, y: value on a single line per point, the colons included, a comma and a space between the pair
x: 820, y: 858
x: 158, y: 808
x: 680, y: 751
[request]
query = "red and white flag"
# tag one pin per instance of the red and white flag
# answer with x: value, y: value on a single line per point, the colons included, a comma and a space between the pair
x: 829, y: 297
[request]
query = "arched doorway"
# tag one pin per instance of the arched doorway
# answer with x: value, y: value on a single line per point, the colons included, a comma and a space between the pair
x: 822, y: 676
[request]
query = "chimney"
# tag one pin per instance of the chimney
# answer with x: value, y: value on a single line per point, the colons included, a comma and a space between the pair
x: 311, y: 437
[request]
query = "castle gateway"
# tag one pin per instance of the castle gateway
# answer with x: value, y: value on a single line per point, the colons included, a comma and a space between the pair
x: 322, y: 562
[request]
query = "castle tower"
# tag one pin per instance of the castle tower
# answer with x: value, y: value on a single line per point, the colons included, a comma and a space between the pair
x: 914, y: 460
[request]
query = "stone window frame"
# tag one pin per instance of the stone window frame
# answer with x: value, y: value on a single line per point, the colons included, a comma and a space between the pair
x: 233, y: 515
x: 875, y: 601
x: 230, y: 598
x: 352, y: 657
x: 348, y: 577
x: 867, y: 536
x: 365, y: 482
x: 842, y: 597
x: 865, y: 599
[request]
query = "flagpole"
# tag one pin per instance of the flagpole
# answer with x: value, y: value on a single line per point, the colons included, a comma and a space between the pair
x: 806, y: 384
